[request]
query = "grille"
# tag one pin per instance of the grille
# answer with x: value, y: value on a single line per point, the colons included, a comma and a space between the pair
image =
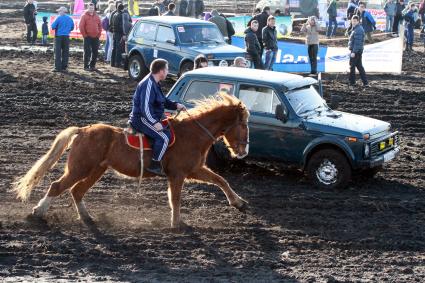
x: 375, y: 146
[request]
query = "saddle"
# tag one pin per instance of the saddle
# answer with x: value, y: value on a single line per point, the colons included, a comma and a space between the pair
x: 133, y: 140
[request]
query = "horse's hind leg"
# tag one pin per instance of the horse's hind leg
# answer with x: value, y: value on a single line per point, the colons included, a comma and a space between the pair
x: 56, y: 188
x: 206, y: 175
x: 80, y: 189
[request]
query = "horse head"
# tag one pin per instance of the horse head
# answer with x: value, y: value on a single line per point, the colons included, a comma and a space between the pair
x: 236, y: 135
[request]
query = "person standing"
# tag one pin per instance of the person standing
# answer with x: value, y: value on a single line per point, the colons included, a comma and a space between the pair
x: 183, y: 5
x: 253, y: 47
x: 106, y: 25
x: 63, y: 25
x: 356, y: 45
x: 422, y: 11
x: 390, y: 10
x: 30, y: 13
x: 367, y: 21
x: 398, y: 18
x: 220, y: 22
x: 171, y: 10
x: 121, y: 26
x: 333, y: 24
x: 262, y: 22
x: 410, y: 18
x: 270, y: 42
x: 311, y: 29
x: 351, y: 8
x: 44, y: 31
x: 195, y: 8
x: 148, y: 110
x: 91, y: 29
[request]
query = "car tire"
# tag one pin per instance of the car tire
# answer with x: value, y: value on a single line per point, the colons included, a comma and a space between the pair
x: 137, y: 69
x: 185, y: 67
x: 329, y: 169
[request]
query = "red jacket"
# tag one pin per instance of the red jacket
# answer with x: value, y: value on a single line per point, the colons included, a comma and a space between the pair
x: 90, y: 25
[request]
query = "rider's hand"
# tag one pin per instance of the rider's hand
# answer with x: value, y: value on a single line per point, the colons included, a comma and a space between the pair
x: 158, y: 127
x: 353, y: 55
x: 180, y: 107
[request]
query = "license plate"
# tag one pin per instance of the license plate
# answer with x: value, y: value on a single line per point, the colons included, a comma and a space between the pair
x: 389, y: 156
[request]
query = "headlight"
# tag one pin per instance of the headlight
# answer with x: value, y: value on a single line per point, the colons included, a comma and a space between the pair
x: 366, y: 150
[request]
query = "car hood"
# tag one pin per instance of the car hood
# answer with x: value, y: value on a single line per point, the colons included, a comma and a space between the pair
x: 219, y: 51
x: 341, y: 123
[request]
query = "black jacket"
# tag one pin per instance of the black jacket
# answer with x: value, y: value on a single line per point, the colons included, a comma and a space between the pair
x: 252, y: 43
x: 262, y: 22
x: 29, y: 13
x: 183, y: 8
x: 270, y: 38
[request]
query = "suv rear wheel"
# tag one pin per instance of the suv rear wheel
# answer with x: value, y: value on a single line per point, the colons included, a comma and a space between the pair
x: 137, y: 69
x: 186, y: 67
x: 329, y: 169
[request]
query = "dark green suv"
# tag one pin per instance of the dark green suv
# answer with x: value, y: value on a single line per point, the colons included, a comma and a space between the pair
x: 291, y: 123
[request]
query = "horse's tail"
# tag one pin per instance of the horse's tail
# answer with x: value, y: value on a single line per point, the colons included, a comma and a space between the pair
x: 24, y: 185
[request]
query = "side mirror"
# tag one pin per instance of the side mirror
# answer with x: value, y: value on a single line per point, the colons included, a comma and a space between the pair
x: 171, y: 41
x: 281, y: 113
x: 335, y: 99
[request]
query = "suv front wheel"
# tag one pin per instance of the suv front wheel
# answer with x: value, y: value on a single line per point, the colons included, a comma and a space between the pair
x: 329, y: 169
x: 136, y: 68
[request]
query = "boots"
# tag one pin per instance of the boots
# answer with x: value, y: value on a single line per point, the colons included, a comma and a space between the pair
x: 155, y: 168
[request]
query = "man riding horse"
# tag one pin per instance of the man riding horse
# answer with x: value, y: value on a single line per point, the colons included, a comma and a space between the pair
x: 148, y: 110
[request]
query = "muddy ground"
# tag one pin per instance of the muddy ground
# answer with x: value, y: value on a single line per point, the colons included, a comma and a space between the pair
x: 372, y: 231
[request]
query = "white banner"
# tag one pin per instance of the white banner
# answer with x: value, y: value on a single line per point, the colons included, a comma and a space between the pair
x: 382, y: 57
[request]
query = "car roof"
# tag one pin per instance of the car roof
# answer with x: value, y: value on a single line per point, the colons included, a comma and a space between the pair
x: 175, y: 20
x: 289, y: 81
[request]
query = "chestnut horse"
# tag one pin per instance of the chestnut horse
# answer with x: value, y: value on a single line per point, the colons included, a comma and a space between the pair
x: 96, y: 148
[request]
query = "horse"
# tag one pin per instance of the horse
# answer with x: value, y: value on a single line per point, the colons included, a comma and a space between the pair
x: 95, y: 148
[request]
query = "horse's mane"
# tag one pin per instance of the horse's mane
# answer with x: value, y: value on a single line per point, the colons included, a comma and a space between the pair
x: 212, y: 103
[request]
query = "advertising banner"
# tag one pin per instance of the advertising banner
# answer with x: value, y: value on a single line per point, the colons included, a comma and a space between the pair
x: 381, y: 57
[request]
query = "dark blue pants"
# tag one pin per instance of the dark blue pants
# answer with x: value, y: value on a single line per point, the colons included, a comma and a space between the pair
x: 410, y: 34
x: 160, y: 139
x: 332, y: 26
x: 61, y: 52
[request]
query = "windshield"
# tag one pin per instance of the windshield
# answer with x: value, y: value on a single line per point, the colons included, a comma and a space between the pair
x: 306, y: 101
x: 199, y: 34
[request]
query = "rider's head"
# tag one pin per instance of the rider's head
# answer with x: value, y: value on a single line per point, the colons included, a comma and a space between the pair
x: 159, y: 68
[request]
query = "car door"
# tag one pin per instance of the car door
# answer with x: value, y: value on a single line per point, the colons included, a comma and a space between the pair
x: 270, y: 138
x: 144, y: 36
x: 167, y: 48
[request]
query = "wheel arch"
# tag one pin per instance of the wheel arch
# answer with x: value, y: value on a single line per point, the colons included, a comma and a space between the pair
x: 183, y: 61
x: 321, y: 144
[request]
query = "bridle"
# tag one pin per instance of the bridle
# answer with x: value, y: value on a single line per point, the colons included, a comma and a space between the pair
x: 238, y: 122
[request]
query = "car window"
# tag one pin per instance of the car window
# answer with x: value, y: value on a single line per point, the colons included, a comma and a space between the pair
x: 146, y: 31
x: 206, y: 34
x: 203, y: 89
x: 258, y: 98
x: 164, y: 34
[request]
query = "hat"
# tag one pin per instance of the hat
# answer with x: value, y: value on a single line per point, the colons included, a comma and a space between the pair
x: 62, y: 9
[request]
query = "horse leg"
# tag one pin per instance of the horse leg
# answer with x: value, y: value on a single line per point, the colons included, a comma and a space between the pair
x: 175, y: 185
x: 206, y: 175
x: 81, y: 188
x: 56, y: 188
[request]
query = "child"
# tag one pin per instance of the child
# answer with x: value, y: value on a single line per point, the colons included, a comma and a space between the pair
x: 44, y: 31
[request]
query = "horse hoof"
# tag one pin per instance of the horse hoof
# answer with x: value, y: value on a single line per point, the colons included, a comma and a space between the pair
x: 181, y: 228
x: 37, y: 212
x: 88, y: 220
x: 242, y: 206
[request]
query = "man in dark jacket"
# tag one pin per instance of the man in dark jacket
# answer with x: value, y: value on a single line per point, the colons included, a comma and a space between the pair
x: 398, y: 18
x: 253, y: 47
x: 356, y: 45
x: 171, y: 10
x: 120, y: 27
x: 333, y: 24
x: 195, y: 8
x: 29, y: 15
x: 220, y: 22
x: 367, y: 21
x: 183, y: 8
x: 270, y: 43
x: 409, y: 19
x: 148, y: 110
x: 351, y: 8
x: 262, y: 22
